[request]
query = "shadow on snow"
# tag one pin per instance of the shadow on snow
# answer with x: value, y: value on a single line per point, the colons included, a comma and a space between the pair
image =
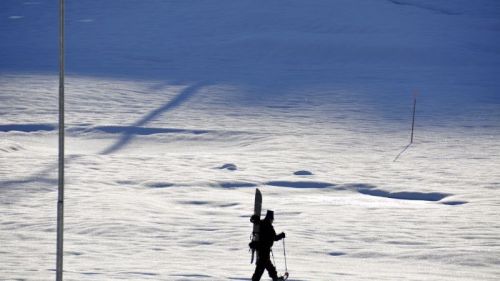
x: 128, y: 135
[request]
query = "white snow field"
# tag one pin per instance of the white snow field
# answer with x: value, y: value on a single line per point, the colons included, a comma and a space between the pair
x: 177, y: 110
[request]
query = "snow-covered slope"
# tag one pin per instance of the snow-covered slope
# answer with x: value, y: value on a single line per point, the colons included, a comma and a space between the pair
x: 162, y: 95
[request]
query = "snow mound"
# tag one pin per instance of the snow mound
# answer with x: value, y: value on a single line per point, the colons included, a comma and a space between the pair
x: 228, y: 166
x: 303, y: 173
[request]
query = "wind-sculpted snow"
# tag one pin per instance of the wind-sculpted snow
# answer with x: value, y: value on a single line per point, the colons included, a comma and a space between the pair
x: 177, y: 110
x: 10, y: 147
x: 162, y: 203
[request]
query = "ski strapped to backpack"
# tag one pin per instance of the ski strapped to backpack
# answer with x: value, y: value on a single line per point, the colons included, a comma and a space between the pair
x: 255, y: 220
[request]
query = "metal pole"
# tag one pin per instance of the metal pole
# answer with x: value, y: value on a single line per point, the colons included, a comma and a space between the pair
x: 413, y: 120
x: 60, y: 201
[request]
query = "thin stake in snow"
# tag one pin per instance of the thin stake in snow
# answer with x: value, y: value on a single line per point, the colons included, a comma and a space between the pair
x: 413, y: 119
x: 60, y: 200
x: 415, y: 94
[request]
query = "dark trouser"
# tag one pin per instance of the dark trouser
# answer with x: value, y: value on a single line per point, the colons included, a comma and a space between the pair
x: 264, y: 262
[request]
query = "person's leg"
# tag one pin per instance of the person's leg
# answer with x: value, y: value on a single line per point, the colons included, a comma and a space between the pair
x: 259, y: 269
x: 271, y: 270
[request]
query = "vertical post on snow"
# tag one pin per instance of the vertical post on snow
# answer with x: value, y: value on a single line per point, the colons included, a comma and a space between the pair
x: 415, y: 94
x: 60, y: 200
x: 413, y: 118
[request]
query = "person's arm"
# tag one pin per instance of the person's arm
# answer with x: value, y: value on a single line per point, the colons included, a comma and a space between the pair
x: 280, y: 236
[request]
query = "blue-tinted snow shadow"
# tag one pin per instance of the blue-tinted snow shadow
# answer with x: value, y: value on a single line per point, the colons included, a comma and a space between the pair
x: 138, y: 273
x: 234, y: 42
x: 228, y: 167
x: 370, y: 190
x: 337, y: 254
x: 427, y: 7
x: 454, y: 203
x: 27, y: 128
x: 129, y: 132
x: 422, y: 196
x: 38, y: 178
x: 265, y: 55
x: 159, y: 184
x: 236, y: 184
x: 365, y: 189
x: 134, y: 130
x: 300, y: 184
x: 303, y: 173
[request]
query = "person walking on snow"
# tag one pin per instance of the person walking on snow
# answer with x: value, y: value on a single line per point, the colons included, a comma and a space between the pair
x: 267, y: 236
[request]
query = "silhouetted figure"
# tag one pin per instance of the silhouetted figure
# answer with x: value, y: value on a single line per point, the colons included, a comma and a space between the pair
x: 267, y: 236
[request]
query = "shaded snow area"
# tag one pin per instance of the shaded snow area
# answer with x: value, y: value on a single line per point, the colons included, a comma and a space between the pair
x: 177, y: 110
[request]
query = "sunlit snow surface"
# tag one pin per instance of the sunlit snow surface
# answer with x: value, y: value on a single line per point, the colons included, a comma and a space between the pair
x: 168, y: 137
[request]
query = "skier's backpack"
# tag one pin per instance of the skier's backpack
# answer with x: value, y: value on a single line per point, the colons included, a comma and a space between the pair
x: 253, y: 245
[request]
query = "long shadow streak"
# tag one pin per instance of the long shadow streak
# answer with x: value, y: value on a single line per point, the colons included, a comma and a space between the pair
x: 40, y: 177
x: 401, y: 153
x: 181, y: 98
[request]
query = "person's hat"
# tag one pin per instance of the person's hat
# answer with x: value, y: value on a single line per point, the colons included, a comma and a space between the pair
x: 270, y: 215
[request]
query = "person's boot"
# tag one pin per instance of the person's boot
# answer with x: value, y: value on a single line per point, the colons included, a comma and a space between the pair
x: 282, y: 278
